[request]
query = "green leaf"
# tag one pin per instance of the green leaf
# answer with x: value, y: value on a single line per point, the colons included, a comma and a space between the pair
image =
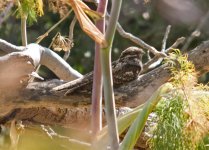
x: 138, y: 125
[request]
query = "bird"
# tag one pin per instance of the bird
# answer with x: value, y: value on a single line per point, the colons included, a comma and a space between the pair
x: 125, y: 69
x: 128, y: 66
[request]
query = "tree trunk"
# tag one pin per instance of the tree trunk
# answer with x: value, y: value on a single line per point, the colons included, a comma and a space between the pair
x: 39, y: 104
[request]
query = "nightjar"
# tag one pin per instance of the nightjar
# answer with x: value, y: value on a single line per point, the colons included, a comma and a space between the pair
x: 125, y: 69
x: 128, y: 66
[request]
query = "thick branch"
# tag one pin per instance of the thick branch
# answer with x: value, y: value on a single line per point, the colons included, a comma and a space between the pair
x: 44, y: 56
x: 38, y: 96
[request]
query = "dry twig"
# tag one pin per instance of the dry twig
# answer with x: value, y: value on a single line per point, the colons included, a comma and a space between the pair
x: 40, y: 38
x: 71, y: 29
x: 168, y: 29
x: 136, y: 40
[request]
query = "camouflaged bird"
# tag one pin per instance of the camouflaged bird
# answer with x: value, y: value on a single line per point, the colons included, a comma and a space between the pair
x: 125, y: 69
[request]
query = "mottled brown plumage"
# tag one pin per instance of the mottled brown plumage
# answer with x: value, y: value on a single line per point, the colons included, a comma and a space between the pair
x: 128, y: 66
x: 125, y: 69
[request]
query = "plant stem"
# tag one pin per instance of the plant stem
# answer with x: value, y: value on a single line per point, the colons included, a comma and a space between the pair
x: 96, y: 120
x: 40, y: 38
x: 24, y: 30
x: 71, y: 30
x: 107, y: 75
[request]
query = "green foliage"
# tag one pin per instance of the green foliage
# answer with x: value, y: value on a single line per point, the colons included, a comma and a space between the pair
x: 171, y: 120
x: 181, y: 69
x: 138, y: 125
x: 183, y: 119
x: 30, y: 9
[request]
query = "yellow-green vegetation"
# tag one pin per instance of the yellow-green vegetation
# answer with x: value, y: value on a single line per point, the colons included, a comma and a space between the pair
x: 30, y: 8
x: 183, y: 113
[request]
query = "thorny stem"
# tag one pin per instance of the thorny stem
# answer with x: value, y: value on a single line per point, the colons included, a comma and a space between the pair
x: 107, y: 76
x: 96, y: 119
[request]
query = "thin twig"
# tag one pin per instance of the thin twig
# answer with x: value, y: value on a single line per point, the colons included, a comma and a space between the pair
x: 136, y: 40
x: 196, y: 32
x: 52, y: 134
x: 148, y: 55
x: 156, y: 60
x: 168, y: 29
x: 40, y: 38
x: 71, y: 29
x: 176, y: 44
x: 146, y: 66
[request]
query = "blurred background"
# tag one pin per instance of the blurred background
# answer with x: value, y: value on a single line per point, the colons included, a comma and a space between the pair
x: 146, y: 19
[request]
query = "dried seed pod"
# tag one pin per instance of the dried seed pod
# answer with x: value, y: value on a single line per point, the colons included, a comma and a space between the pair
x: 62, y: 43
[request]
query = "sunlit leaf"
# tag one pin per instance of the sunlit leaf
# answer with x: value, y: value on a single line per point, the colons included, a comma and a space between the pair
x: 93, y: 14
x: 86, y: 24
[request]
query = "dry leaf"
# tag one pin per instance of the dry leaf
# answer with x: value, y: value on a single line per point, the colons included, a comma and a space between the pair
x: 86, y: 24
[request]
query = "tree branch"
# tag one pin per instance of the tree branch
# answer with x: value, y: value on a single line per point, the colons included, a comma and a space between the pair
x: 44, y: 56
x: 39, y: 101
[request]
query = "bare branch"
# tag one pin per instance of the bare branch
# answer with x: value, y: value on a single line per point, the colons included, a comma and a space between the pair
x: 136, y: 40
x: 176, y: 44
x: 168, y: 29
x: 156, y: 60
x: 71, y: 28
x: 152, y: 63
x: 44, y: 56
x: 53, y: 108
x: 9, y: 48
x: 146, y: 66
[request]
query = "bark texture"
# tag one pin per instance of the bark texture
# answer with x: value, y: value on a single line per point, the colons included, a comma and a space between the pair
x: 39, y: 104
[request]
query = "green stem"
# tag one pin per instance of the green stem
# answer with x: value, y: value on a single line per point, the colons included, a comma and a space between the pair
x: 96, y: 120
x: 107, y: 76
x: 24, y: 29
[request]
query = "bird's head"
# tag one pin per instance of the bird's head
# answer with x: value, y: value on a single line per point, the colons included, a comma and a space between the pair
x: 132, y: 52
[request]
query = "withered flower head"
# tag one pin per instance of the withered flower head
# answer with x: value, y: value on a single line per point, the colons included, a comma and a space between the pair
x: 62, y: 43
